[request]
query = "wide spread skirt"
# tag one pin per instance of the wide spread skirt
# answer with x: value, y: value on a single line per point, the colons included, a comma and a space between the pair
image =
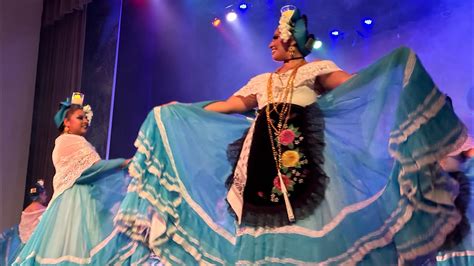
x: 386, y: 202
x: 77, y: 227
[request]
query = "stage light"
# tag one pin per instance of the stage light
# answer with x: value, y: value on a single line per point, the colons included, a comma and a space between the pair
x: 368, y: 21
x: 231, y: 16
x: 216, y: 22
x: 317, y: 44
x: 335, y: 33
x: 243, y: 6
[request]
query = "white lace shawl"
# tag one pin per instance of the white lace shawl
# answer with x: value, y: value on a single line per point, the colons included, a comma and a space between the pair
x: 28, y: 223
x: 72, y: 155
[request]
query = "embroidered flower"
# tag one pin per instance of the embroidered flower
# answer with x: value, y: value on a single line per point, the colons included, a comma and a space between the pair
x: 290, y: 158
x: 40, y: 182
x: 288, y: 184
x: 273, y: 197
x: 88, y: 113
x: 286, y: 137
x: 289, y: 137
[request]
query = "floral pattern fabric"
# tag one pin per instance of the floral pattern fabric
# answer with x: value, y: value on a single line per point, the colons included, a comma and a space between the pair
x: 292, y: 161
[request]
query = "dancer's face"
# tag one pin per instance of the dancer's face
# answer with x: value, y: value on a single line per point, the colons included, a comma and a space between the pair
x: 77, y: 123
x: 279, y: 48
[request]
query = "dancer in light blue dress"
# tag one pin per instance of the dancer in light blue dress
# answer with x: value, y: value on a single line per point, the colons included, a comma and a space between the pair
x: 13, y: 239
x: 77, y: 227
x: 334, y: 170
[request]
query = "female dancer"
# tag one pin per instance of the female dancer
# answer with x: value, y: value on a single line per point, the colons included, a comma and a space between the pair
x: 77, y: 228
x: 311, y: 181
x: 13, y: 240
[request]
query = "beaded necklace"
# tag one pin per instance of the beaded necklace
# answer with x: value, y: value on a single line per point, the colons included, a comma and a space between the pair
x: 274, y: 131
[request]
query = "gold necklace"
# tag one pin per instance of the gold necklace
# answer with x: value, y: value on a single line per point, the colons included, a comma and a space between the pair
x: 283, y: 114
x: 274, y: 132
x: 281, y: 96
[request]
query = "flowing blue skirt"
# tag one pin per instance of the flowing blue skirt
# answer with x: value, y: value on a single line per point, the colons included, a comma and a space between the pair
x: 387, y: 201
x: 77, y: 227
x: 463, y: 253
x: 10, y: 245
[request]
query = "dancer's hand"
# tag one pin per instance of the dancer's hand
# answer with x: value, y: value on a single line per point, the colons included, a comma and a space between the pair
x: 126, y: 163
x: 469, y: 153
x: 170, y: 103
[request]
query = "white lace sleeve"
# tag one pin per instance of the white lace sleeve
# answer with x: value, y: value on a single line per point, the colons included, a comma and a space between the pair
x: 251, y: 88
x: 72, y: 155
x: 317, y: 68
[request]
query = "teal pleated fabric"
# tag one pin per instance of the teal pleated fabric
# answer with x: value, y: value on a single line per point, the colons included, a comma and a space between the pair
x: 387, y: 202
x: 463, y: 253
x: 10, y: 245
x: 77, y: 227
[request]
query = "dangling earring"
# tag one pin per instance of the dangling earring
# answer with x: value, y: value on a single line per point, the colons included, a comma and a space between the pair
x: 66, y: 129
x: 291, y: 49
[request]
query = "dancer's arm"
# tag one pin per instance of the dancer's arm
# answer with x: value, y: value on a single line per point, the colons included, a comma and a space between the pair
x: 101, y: 169
x: 333, y: 79
x: 469, y: 153
x: 234, y: 104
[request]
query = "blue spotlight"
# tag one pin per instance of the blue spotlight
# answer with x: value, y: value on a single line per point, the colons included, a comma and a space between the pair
x: 368, y: 21
x: 317, y: 44
x: 243, y: 6
x: 335, y: 33
x: 231, y: 16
